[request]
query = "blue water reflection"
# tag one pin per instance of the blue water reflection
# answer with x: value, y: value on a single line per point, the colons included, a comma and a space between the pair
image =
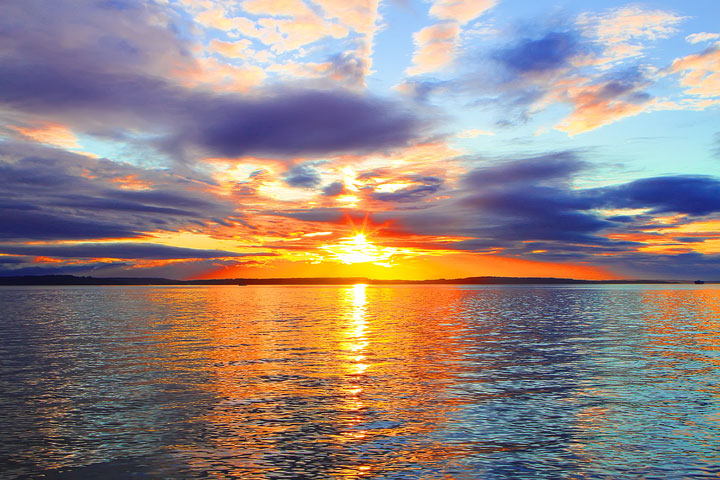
x: 360, y: 382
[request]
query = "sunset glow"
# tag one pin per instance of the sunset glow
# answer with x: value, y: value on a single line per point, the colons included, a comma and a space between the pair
x: 422, y: 139
x: 357, y: 249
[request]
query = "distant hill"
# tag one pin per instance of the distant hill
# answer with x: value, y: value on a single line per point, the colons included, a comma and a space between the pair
x: 75, y: 280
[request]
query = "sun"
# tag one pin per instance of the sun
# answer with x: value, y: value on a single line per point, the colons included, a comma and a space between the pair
x: 358, y: 249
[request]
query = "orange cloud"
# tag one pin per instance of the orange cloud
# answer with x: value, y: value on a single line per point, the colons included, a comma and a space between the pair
x: 626, y: 23
x: 700, y: 72
x: 435, y: 45
x: 285, y: 25
x: 289, y: 8
x: 593, y: 107
x: 593, y: 112
x: 224, y: 76
x: 473, y: 132
x: 460, y: 11
x: 622, y: 30
x: 51, y: 134
x: 289, y: 25
x: 360, y: 15
x: 240, y: 49
x: 702, y: 37
x: 131, y: 182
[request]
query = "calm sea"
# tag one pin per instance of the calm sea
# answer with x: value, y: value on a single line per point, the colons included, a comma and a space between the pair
x: 403, y: 382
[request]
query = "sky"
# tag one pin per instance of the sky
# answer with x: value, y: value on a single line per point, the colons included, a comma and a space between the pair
x: 404, y: 139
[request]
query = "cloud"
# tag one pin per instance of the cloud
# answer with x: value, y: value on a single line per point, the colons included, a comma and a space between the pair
x: 291, y: 27
x: 604, y: 101
x: 530, y: 208
x: 303, y: 175
x: 333, y: 189
x: 21, y: 224
x: 290, y: 122
x: 506, y: 204
x: 325, y: 215
x: 552, y: 167
x: 633, y: 22
x: 284, y: 25
x: 123, y: 251
x: 286, y: 123
x: 531, y: 199
x: 418, y: 188
x: 690, y: 194
x: 348, y: 68
x: 460, y: 11
x: 473, y: 132
x: 682, y: 266
x: 48, y: 194
x: 700, y: 72
x: 623, y: 30
x: 583, y: 63
x: 422, y: 90
x: 362, y: 16
x: 300, y: 122
x: 435, y: 45
x: 560, y: 67
x: 552, y: 51
x: 129, y: 37
x: 123, y: 71
x: 545, y: 70
x: 702, y: 37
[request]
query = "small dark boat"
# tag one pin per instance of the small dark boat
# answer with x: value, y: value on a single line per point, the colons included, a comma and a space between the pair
x: 699, y: 282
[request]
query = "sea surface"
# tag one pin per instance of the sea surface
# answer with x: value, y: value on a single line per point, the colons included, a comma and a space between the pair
x: 371, y: 382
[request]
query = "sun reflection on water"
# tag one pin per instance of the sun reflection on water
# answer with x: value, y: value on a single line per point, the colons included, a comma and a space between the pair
x: 357, y: 299
x: 365, y: 382
x: 355, y: 346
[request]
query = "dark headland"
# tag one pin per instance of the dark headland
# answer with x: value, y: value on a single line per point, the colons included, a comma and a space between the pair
x: 76, y: 280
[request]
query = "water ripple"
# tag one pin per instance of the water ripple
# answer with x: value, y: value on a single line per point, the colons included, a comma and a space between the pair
x: 396, y: 382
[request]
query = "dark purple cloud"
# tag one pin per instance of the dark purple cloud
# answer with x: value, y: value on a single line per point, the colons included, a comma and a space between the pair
x: 24, y: 225
x: 348, y: 67
x: 48, y: 194
x: 690, y: 194
x: 421, y: 188
x: 552, y: 51
x: 683, y: 266
x: 552, y: 167
x: 304, y: 175
x: 299, y: 122
x: 129, y: 251
x: 333, y: 189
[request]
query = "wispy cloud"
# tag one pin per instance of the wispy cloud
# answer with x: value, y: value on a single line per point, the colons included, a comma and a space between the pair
x: 435, y: 45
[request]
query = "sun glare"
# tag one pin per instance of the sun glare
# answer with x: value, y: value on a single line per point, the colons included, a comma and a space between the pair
x: 358, y: 249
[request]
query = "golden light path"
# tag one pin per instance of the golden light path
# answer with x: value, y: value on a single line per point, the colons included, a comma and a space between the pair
x: 355, y: 345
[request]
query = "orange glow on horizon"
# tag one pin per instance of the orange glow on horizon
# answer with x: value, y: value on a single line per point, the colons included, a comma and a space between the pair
x: 422, y: 266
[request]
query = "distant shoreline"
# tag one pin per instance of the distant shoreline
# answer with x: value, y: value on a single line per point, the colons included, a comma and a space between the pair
x: 76, y: 280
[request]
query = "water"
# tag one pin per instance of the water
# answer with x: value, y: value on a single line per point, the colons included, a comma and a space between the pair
x: 404, y: 382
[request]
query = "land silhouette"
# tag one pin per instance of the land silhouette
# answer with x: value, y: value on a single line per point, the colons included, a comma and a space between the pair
x: 486, y: 280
